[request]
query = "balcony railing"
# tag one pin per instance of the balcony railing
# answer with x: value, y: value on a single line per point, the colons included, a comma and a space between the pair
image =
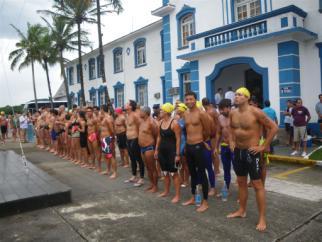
x: 241, y: 33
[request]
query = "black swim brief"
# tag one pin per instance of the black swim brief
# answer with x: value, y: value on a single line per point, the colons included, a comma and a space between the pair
x: 246, y: 163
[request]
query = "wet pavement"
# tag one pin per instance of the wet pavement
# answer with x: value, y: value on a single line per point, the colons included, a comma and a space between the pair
x: 105, y: 210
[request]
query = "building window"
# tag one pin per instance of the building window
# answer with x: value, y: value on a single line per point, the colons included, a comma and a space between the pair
x: 70, y: 75
x: 141, y: 90
x: 91, y: 68
x: 247, y: 8
x: 78, y: 73
x: 92, y: 96
x: 99, y: 66
x: 118, y: 60
x: 186, y: 25
x: 187, y: 29
x: 119, y: 94
x: 102, y: 94
x: 186, y: 82
x: 140, y: 52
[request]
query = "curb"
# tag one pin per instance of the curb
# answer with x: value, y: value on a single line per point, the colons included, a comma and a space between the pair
x: 294, y: 160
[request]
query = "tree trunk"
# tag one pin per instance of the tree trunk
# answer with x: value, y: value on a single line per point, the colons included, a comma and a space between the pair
x: 49, y: 86
x: 34, y: 83
x: 80, y: 64
x: 101, y: 55
x: 63, y: 74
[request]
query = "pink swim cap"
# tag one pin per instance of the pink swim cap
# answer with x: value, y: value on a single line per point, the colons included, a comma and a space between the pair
x: 118, y: 110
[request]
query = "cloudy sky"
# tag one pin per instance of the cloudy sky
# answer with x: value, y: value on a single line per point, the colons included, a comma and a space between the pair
x: 15, y: 86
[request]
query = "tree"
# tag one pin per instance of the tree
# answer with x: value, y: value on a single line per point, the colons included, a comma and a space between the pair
x: 64, y: 38
x: 75, y: 12
x: 113, y: 6
x: 27, y: 51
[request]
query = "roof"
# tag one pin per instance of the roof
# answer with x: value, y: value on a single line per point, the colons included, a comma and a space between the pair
x: 61, y: 92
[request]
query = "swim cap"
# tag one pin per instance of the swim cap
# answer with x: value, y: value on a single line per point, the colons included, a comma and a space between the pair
x: 167, y: 107
x: 118, y: 110
x: 182, y: 107
x: 198, y: 104
x: 244, y: 91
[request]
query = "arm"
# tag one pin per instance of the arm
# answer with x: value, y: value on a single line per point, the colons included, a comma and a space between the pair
x: 177, y: 130
x: 110, y: 126
x: 157, y: 144
x: 308, y: 116
x: 271, y: 130
x: 205, y: 124
x: 82, y: 126
x: 154, y: 127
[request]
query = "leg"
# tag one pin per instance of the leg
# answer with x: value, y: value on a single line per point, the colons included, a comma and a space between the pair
x: 226, y: 159
x: 243, y: 195
x: 210, y: 170
x: 176, y: 183
x: 261, y: 204
x: 166, y: 186
x: 114, y: 167
x: 133, y: 161
x: 149, y: 161
x: 193, y: 173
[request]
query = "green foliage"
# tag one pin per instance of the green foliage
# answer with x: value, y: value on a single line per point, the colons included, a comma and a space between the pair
x: 316, y: 155
x: 8, y: 109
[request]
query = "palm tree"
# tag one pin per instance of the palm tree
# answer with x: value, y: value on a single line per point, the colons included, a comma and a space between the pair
x: 47, y: 55
x: 75, y: 12
x: 27, y: 51
x: 64, y: 38
x: 113, y: 6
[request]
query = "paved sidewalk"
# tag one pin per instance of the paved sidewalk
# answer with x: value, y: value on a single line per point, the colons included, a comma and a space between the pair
x: 105, y: 210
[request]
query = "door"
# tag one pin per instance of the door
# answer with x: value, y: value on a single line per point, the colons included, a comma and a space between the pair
x: 254, y: 83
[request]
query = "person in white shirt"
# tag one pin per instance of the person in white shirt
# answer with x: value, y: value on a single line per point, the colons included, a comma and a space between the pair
x: 219, y: 96
x: 23, y: 120
x: 230, y: 94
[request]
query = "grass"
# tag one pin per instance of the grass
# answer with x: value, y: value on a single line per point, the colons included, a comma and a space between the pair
x: 316, y: 155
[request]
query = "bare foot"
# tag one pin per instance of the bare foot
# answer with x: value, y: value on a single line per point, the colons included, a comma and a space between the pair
x: 261, y: 226
x: 113, y: 176
x: 126, y: 166
x: 154, y: 189
x: 191, y: 201
x: 203, y: 207
x: 104, y: 173
x: 212, y: 192
x: 175, y: 199
x: 238, y: 214
x: 163, y: 194
x: 148, y: 188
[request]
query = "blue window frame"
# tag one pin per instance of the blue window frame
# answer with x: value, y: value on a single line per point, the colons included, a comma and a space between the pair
x: 78, y: 73
x: 73, y: 98
x: 70, y: 75
x: 163, y: 89
x: 284, y: 22
x: 99, y: 66
x: 92, y: 96
x: 141, y: 91
x: 102, y: 94
x: 119, y: 94
x: 320, y: 6
x: 186, y: 25
x: 118, y: 59
x: 79, y: 98
x: 91, y: 69
x: 140, y: 52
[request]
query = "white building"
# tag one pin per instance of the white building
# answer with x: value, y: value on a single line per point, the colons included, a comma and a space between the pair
x: 273, y: 47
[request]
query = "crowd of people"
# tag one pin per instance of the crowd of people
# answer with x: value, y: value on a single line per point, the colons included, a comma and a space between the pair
x: 181, y: 143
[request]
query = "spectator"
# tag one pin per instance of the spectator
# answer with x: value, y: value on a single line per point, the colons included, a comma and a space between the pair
x: 269, y: 111
x: 301, y: 117
x: 23, y: 120
x: 318, y: 109
x: 230, y: 95
x: 288, y: 122
x: 219, y: 96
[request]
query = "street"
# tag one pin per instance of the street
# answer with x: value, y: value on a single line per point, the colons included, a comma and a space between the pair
x: 106, y: 210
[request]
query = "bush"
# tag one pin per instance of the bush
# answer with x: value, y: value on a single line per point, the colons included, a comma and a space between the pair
x: 8, y: 109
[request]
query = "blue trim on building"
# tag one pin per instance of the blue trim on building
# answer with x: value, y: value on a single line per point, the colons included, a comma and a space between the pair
x: 192, y: 68
x: 320, y: 6
x: 136, y: 43
x: 78, y: 73
x: 219, y: 67
x: 140, y: 82
x: 70, y: 75
x: 265, y: 4
x: 231, y: 11
x: 294, y: 22
x: 100, y: 90
x: 223, y: 13
x: 274, y: 13
x: 92, y: 91
x: 98, y: 69
x: 78, y: 97
x: 117, y: 50
x: 163, y: 89
x: 266, y: 36
x: 118, y: 86
x: 167, y: 58
x: 162, y: 45
x: 289, y: 73
x: 319, y: 45
x: 165, y: 2
x: 271, y: 4
x: 284, y: 22
x: 185, y: 10
x: 91, y: 75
